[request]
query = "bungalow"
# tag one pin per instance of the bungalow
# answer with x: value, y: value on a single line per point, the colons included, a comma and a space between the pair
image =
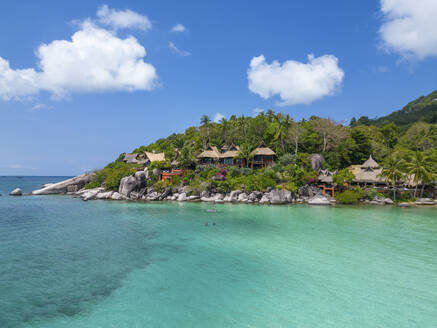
x: 326, y: 176
x: 263, y: 156
x: 153, y: 157
x: 230, y: 156
x: 368, y: 172
x: 210, y: 155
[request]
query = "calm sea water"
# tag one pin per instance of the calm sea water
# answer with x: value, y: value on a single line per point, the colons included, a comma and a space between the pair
x: 68, y: 263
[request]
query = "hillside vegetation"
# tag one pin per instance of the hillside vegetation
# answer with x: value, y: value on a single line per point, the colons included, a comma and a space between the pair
x: 423, y: 109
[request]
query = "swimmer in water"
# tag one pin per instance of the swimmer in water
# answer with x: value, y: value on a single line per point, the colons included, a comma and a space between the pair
x: 206, y: 224
x: 213, y: 223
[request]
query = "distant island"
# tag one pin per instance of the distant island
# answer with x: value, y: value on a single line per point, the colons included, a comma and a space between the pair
x: 273, y: 159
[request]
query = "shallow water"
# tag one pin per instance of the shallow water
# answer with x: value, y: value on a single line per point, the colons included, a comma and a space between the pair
x: 69, y: 263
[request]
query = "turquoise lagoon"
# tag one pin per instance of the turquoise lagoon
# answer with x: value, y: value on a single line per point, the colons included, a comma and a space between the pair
x: 68, y: 263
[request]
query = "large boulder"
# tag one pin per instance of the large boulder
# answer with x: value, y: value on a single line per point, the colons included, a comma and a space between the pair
x: 233, y: 197
x: 140, y: 178
x: 91, y: 193
x: 316, y: 161
x: 104, y: 195
x: 309, y: 191
x: 182, y: 197
x: 117, y: 196
x: 425, y: 201
x: 264, y: 199
x: 279, y: 196
x: 319, y: 200
x: 127, y: 185
x: 70, y: 185
x: 16, y: 192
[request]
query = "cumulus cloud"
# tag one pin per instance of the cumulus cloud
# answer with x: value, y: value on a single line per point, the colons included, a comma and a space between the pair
x: 119, y: 19
x: 94, y: 60
x: 410, y: 27
x: 178, y: 51
x: 295, y: 82
x: 218, y: 117
x: 178, y: 28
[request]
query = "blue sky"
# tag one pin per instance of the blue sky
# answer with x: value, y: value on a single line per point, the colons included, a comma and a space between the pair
x: 80, y: 103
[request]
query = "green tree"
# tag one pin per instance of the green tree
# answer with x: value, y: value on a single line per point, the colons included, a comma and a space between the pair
x: 419, y: 166
x: 342, y: 177
x: 245, y: 153
x: 392, y: 171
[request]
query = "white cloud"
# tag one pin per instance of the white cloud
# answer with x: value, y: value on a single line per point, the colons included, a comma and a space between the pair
x: 179, y: 28
x: 41, y: 106
x: 119, y: 19
x: 218, y: 117
x: 178, y: 51
x: 410, y: 27
x: 95, y: 60
x: 258, y: 110
x: 295, y: 82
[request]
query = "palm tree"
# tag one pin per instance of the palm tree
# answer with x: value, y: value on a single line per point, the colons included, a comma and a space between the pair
x: 392, y: 171
x: 419, y: 166
x: 204, y: 121
x: 245, y: 152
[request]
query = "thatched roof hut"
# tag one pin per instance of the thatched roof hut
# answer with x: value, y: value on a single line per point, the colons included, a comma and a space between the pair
x: 155, y: 157
x: 370, y: 163
x: 131, y: 159
x: 325, y: 176
x: 263, y: 150
x: 231, y: 152
x: 368, y: 172
x: 210, y: 152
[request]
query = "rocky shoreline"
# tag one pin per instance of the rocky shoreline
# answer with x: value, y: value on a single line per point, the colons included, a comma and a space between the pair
x: 133, y: 188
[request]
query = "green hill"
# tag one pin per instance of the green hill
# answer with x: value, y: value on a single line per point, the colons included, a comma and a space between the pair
x: 422, y: 109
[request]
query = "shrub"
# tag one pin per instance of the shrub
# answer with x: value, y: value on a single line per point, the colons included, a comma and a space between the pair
x: 349, y: 196
x: 160, y: 186
x: 111, y: 175
x: 291, y: 186
x: 342, y: 177
x: 288, y: 159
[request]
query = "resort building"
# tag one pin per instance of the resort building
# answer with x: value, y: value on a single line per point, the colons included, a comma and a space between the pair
x: 153, y: 157
x: 263, y: 156
x: 144, y: 159
x: 230, y: 156
x: 367, y: 173
x: 210, y: 155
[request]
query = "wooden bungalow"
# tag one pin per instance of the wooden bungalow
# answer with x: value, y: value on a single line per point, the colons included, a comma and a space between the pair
x: 210, y: 155
x: 263, y: 156
x: 230, y: 156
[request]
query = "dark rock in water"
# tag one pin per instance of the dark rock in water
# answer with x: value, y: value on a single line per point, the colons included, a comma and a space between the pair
x: 16, y: 192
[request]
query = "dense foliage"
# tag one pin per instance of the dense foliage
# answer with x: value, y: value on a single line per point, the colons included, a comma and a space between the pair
x: 403, y: 151
x: 111, y: 174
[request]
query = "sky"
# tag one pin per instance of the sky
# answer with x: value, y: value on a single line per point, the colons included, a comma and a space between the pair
x: 83, y: 81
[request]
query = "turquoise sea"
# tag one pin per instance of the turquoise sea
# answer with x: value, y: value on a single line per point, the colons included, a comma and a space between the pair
x: 68, y: 263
